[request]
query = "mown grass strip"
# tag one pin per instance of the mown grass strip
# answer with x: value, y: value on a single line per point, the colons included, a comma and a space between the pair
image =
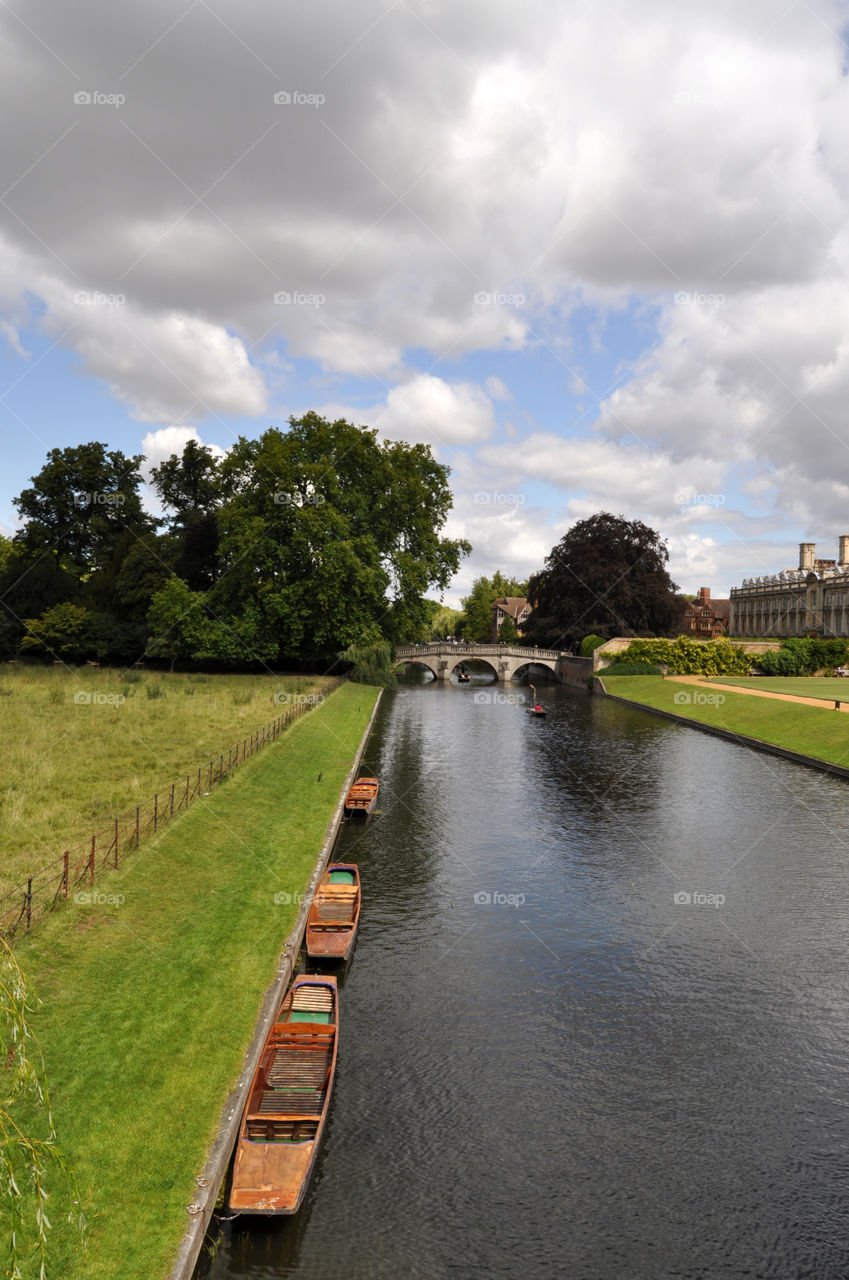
x: 826, y: 688
x: 149, y: 1003
x: 822, y: 733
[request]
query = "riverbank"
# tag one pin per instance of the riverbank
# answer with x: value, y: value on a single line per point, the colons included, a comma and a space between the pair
x: 813, y: 735
x: 150, y: 998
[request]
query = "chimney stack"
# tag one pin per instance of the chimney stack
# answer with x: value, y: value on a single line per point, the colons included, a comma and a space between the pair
x: 807, y: 552
x: 704, y: 593
x: 843, y: 550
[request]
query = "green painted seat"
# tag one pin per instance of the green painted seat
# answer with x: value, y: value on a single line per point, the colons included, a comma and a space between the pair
x: 308, y: 1015
x: 341, y: 877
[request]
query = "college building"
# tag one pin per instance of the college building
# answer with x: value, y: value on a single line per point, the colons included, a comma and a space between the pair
x: 705, y: 619
x: 812, y: 600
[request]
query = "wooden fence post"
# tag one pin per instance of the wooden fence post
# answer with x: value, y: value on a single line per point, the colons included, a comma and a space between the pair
x: 137, y: 826
x: 91, y: 861
x: 155, y: 811
x: 29, y: 902
x: 172, y: 799
x: 65, y: 857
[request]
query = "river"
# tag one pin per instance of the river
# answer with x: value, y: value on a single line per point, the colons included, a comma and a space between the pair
x: 597, y: 1020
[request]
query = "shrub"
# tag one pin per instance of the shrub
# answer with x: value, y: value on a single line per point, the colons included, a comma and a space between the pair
x: 686, y: 657
x: 155, y: 691
x: 589, y: 644
x: 780, y: 662
x: 632, y: 669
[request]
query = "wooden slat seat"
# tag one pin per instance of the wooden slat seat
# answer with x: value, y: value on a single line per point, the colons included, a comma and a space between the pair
x: 318, y: 998
x: 291, y: 1102
x: 291, y: 1067
x: 337, y: 911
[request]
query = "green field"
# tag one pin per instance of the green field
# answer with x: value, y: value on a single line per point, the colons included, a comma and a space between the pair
x: 149, y: 1004
x: 829, y: 688
x: 819, y: 732
x: 79, y: 747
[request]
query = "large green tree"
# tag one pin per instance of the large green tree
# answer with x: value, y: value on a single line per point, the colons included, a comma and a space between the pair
x: 607, y: 576
x: 191, y: 490
x: 332, y: 537
x: 82, y: 503
x: 476, y: 623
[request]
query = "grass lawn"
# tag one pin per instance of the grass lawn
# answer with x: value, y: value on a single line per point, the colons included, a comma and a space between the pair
x: 148, y: 1005
x: 829, y: 688
x: 78, y: 747
x: 822, y: 733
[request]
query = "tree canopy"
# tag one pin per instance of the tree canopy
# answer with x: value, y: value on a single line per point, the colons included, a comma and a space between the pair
x: 298, y: 544
x: 476, y: 622
x: 606, y: 577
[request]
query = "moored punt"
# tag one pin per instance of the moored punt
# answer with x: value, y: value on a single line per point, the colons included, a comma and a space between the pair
x: 362, y: 797
x: 288, y: 1101
x: 335, y: 913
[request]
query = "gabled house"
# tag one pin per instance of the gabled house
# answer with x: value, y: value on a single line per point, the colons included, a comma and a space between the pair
x: 705, y: 619
x: 515, y: 607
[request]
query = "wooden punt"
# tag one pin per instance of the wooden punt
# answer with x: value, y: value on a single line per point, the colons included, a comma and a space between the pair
x: 288, y: 1101
x: 362, y: 797
x: 335, y: 913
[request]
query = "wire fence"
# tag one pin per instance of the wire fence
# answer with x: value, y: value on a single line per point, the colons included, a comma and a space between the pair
x: 107, y: 848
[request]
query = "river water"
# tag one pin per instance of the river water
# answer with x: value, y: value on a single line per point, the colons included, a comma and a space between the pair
x: 597, y: 1020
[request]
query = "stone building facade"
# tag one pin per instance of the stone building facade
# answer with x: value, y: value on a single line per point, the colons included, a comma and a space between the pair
x: 812, y: 600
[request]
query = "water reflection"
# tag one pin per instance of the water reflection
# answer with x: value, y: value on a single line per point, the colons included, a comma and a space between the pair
x: 548, y: 1065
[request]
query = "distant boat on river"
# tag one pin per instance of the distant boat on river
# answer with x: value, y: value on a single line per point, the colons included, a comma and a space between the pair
x: 288, y: 1101
x: 362, y: 797
x: 537, y: 709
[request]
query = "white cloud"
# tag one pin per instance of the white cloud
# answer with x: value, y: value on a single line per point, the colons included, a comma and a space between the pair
x: 428, y: 410
x: 158, y: 446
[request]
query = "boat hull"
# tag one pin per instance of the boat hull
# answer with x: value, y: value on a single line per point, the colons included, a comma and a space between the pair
x: 286, y: 1111
x: 362, y: 798
x: 335, y: 914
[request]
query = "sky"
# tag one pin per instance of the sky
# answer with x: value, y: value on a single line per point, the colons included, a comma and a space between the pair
x: 595, y: 254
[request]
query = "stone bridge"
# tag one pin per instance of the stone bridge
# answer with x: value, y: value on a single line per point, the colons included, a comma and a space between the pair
x: 505, y: 660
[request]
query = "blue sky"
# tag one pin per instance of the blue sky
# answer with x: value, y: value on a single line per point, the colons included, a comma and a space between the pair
x: 597, y: 265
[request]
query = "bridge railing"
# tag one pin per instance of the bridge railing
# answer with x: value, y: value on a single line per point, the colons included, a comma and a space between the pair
x: 472, y: 650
